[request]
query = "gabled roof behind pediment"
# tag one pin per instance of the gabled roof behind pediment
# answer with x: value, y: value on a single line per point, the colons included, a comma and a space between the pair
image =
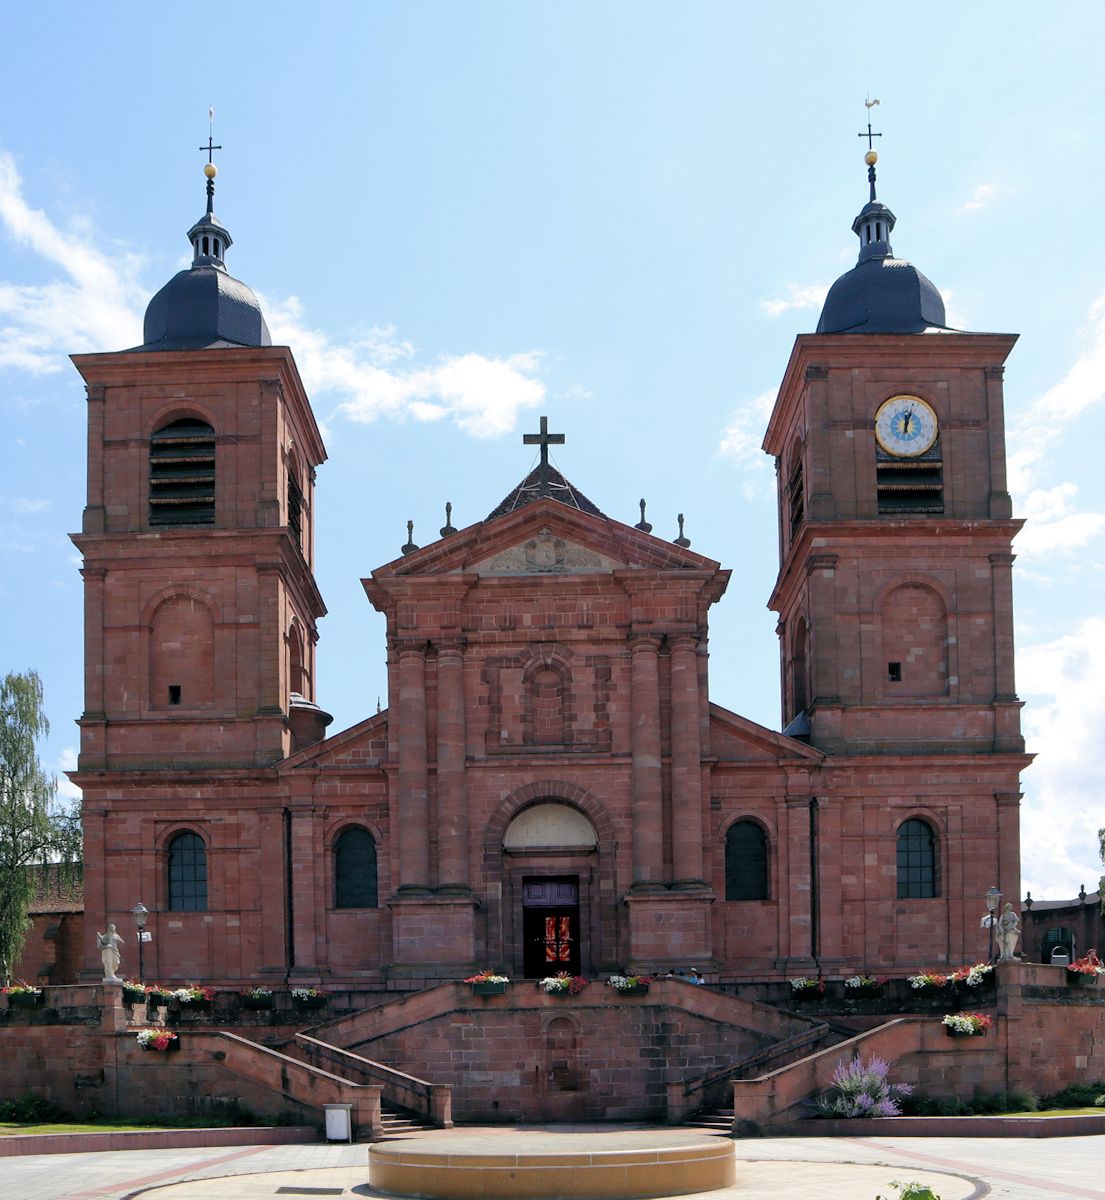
x: 737, y: 739
x: 361, y: 745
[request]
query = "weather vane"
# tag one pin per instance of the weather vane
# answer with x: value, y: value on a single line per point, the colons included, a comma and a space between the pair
x: 869, y: 104
x: 871, y: 157
x: 211, y: 147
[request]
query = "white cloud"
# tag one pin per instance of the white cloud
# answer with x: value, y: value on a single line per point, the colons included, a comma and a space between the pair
x: 96, y: 302
x: 1047, y: 418
x: 1054, y: 524
x: 799, y: 296
x: 742, y: 441
x: 1063, y: 718
x: 380, y: 376
x: 984, y: 195
x: 24, y: 506
x: 67, y: 761
x: 97, y: 305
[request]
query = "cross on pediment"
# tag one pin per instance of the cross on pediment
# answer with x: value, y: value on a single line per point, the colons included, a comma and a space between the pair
x: 544, y: 439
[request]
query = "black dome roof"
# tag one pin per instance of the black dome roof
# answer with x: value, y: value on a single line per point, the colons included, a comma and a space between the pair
x: 881, y: 293
x: 204, y: 307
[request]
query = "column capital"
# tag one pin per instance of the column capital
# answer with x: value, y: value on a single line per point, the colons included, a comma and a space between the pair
x: 640, y: 639
x: 411, y: 648
x: 453, y: 648
x: 684, y: 641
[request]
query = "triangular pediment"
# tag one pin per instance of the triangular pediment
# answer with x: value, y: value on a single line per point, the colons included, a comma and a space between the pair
x: 361, y: 746
x: 737, y: 739
x: 546, y: 537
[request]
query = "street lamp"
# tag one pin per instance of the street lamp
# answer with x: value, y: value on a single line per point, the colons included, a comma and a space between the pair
x: 993, y: 899
x: 140, y: 913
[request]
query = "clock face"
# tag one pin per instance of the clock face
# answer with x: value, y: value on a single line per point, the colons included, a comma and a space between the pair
x: 905, y: 426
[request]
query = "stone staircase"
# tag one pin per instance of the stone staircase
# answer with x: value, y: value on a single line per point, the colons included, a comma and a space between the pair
x: 719, y: 1117
x: 399, y: 1122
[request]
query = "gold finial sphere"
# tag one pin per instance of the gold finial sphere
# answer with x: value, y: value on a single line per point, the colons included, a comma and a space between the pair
x: 870, y: 158
x: 210, y: 170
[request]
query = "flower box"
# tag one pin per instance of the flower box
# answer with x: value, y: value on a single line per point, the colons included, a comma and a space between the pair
x: 1082, y: 978
x: 171, y: 1048
x: 864, y: 992
x: 309, y: 1001
x: 963, y: 1033
x: 635, y: 989
x: 159, y: 999
x: 24, y: 999
x: 191, y: 1005
x: 488, y: 989
x: 257, y: 1002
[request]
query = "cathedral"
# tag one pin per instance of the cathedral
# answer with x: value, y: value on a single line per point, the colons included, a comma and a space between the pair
x: 550, y: 787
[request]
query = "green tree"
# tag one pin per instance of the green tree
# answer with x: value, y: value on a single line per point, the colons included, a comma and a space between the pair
x: 35, y: 833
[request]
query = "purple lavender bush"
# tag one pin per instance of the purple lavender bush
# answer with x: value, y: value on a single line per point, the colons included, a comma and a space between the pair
x: 861, y: 1089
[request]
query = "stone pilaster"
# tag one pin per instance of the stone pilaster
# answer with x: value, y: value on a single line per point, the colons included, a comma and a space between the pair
x: 648, y: 829
x: 686, y: 765
x: 452, y: 809
x: 413, y: 798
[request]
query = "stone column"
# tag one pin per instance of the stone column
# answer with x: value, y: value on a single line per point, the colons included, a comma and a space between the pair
x: 648, y: 824
x: 686, y: 764
x: 452, y: 810
x: 413, y: 810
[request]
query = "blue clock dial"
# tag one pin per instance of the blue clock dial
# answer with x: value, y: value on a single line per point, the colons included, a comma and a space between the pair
x: 905, y: 426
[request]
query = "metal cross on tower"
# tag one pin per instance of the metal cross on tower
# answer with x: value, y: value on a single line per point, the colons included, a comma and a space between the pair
x: 872, y: 157
x: 869, y: 104
x: 544, y: 439
x: 211, y: 147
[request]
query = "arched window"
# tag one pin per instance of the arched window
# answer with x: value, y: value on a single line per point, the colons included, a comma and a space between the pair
x: 297, y: 674
x: 915, y: 642
x: 745, y: 862
x: 799, y: 668
x: 355, y: 870
x: 187, y: 873
x: 182, y: 654
x: 916, y: 860
x: 182, y: 473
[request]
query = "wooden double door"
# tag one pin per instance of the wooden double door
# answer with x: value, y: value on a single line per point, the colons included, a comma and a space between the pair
x: 550, y: 925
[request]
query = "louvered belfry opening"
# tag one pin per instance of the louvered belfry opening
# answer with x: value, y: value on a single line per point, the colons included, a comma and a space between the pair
x: 910, y: 485
x: 182, y: 474
x: 295, y: 511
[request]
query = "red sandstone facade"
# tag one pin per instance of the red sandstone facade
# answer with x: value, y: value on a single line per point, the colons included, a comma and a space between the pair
x: 549, y: 786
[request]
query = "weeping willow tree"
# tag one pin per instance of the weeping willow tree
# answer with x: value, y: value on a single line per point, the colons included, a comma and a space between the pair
x: 37, y: 839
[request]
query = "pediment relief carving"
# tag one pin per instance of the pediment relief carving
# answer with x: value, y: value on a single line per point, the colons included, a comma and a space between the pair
x: 547, y: 554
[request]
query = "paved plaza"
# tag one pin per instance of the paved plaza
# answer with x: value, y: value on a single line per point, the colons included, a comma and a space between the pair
x: 767, y: 1169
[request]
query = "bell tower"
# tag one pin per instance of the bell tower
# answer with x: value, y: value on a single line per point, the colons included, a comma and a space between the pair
x: 894, y: 591
x: 201, y: 605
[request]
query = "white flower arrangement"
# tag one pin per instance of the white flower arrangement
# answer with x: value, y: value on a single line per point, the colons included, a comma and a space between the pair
x: 861, y: 981
x: 629, y: 983
x: 805, y: 983
x: 307, y: 993
x: 973, y: 976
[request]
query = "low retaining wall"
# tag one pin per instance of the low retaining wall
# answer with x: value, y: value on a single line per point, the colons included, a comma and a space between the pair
x: 1032, y: 1127
x: 154, y: 1139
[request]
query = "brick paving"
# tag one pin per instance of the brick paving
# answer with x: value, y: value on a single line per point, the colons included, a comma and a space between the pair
x: 767, y: 1169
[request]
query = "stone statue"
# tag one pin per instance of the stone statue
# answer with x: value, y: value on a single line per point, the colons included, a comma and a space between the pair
x: 109, y: 944
x: 1009, y: 929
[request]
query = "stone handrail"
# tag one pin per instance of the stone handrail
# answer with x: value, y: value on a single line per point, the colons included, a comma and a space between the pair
x: 299, y: 1081
x: 771, y: 1099
x: 431, y: 1101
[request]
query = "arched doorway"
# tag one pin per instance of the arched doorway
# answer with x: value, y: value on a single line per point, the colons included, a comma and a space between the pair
x: 549, y: 858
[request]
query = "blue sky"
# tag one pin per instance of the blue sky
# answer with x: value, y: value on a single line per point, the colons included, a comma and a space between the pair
x: 461, y: 216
